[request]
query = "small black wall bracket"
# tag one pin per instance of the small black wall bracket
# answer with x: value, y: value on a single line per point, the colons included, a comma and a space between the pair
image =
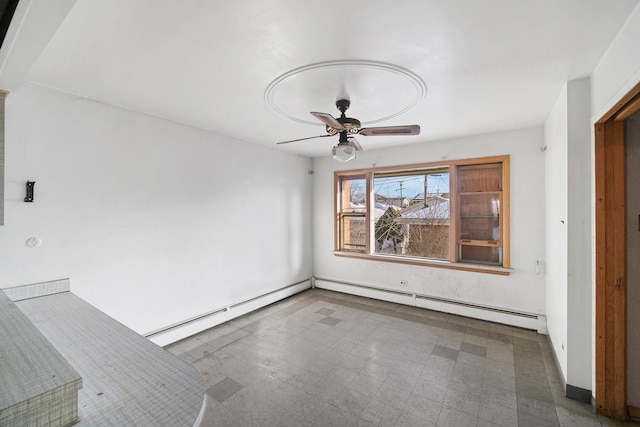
x: 29, y: 197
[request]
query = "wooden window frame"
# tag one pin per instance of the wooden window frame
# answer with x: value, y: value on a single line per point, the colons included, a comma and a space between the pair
x: 453, y: 262
x: 460, y: 241
x: 339, y: 179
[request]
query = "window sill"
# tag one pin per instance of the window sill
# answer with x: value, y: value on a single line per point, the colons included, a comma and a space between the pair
x: 478, y: 268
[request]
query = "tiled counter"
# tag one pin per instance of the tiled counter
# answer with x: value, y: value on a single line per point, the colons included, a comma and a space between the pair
x: 37, y: 385
x: 127, y: 379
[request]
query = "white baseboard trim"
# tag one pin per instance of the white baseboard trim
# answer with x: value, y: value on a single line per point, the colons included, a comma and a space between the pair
x: 536, y: 322
x: 188, y: 327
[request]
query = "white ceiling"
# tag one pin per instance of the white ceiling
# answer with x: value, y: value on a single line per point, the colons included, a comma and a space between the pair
x: 488, y: 65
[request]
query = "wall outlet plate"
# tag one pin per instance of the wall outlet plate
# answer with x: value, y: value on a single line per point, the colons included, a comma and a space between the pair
x: 33, y: 242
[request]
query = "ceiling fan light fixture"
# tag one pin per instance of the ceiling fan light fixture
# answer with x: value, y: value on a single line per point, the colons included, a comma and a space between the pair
x: 343, y: 152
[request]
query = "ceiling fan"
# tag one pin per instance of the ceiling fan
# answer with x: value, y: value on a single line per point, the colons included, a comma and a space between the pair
x: 347, y: 127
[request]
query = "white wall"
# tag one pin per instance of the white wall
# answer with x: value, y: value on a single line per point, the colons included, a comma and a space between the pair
x: 579, y: 271
x: 556, y: 213
x: 619, y: 70
x: 633, y: 266
x: 523, y: 290
x: 154, y: 222
x: 568, y: 227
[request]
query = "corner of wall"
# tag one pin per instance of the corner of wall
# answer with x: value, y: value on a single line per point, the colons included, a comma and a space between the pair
x: 619, y: 69
x: 555, y: 202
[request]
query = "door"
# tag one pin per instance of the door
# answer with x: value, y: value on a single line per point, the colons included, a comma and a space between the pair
x: 632, y: 148
x: 616, y: 256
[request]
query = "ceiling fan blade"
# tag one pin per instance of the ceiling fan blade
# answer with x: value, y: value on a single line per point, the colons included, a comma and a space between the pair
x: 302, y: 139
x: 328, y: 120
x: 391, y: 130
x: 352, y: 141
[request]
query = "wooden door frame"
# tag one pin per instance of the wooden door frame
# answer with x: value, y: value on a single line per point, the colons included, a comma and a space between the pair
x: 611, y: 258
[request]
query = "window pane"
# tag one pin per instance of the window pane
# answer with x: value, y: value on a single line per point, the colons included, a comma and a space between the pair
x: 352, y: 232
x: 483, y: 177
x: 480, y: 216
x: 353, y: 195
x: 412, y: 213
x: 481, y: 254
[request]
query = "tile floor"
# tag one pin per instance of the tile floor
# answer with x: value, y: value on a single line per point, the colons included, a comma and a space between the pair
x: 322, y: 358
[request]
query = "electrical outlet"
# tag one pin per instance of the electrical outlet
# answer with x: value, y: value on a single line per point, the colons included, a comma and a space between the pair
x: 33, y: 242
x: 404, y: 283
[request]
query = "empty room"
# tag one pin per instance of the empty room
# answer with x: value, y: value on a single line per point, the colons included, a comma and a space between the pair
x: 355, y: 213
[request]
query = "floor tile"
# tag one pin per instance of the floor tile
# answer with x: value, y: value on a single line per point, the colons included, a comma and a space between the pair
x: 567, y: 418
x: 352, y: 401
x: 325, y: 311
x: 499, y: 396
x: 471, y: 359
x: 534, y: 390
x: 497, y: 414
x: 447, y: 340
x: 503, y: 368
x: 537, y: 408
x: 341, y: 375
x: 323, y: 358
x: 380, y: 413
x: 500, y: 337
x: 467, y: 370
x: 423, y: 407
x: 331, y: 321
x: 528, y: 420
x: 396, y: 397
x: 224, y: 389
x: 223, y: 416
x: 464, y: 384
x: 464, y: 402
x: 477, y: 350
x: 410, y: 420
x: 433, y: 391
x: 484, y: 423
x: 450, y: 417
x: 437, y: 374
x: 366, y: 384
x: 452, y: 326
x: 446, y: 352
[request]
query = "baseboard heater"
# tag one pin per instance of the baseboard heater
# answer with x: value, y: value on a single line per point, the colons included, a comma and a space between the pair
x: 463, y: 308
x: 187, y: 327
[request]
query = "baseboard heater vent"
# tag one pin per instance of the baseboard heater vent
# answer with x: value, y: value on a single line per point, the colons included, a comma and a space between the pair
x: 225, y: 313
x: 241, y: 303
x: 477, y: 306
x: 187, y: 321
x: 359, y: 285
x: 462, y: 308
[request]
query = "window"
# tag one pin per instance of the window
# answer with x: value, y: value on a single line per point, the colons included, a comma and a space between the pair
x: 479, y: 201
x: 411, y: 213
x: 447, y: 213
x: 353, y: 214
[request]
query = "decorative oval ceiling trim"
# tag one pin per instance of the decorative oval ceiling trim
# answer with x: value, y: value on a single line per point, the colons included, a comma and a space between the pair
x: 340, y: 79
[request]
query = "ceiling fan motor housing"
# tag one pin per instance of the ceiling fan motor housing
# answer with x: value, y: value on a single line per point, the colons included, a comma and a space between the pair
x: 350, y: 124
x: 343, y: 105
